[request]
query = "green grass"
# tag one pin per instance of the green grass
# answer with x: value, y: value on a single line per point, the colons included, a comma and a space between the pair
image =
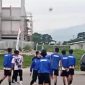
x: 1, y: 61
x: 78, y: 54
x: 26, y: 63
x: 51, y: 48
x: 27, y: 60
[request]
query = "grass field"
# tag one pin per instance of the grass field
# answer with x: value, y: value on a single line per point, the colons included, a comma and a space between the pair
x: 27, y: 59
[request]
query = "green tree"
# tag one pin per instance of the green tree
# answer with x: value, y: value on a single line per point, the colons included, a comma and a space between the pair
x: 81, y: 35
x: 41, y: 38
x: 36, y: 37
x: 46, y: 38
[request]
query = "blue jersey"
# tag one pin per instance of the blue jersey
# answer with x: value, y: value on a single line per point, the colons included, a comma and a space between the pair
x: 44, y: 66
x: 7, y: 61
x: 65, y: 61
x: 48, y: 57
x: 55, y: 58
x: 72, y: 60
x: 34, y: 65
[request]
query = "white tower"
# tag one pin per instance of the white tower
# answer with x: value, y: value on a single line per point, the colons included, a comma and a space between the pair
x: 22, y: 18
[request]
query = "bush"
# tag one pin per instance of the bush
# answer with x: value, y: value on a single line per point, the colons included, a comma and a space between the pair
x: 27, y: 48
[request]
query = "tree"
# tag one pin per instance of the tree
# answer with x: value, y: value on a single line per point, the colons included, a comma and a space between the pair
x: 46, y: 38
x: 41, y: 38
x: 81, y: 35
x: 36, y: 37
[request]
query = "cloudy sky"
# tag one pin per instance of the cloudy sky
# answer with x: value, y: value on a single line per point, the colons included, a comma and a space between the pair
x: 65, y: 13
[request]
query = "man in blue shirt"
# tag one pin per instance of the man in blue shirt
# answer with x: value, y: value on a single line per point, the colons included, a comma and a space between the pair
x: 7, y: 66
x: 65, y: 66
x: 72, y: 62
x: 44, y: 69
x: 34, y: 68
x: 55, y: 59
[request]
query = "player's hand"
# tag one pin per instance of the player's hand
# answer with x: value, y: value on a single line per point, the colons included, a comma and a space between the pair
x: 30, y: 73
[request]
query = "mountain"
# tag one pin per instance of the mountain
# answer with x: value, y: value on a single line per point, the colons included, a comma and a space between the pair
x: 68, y: 33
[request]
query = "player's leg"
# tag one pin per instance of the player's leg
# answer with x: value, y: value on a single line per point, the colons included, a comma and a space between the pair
x: 55, y: 76
x: 34, y: 77
x: 64, y: 74
x: 5, y: 75
x: 71, y: 73
x: 40, y: 78
x: 9, y: 77
x: 64, y: 80
x: 13, y: 76
x: 16, y: 75
x: 21, y: 77
x: 47, y: 79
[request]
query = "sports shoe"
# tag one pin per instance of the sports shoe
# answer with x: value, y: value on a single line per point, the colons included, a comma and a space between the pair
x: 35, y: 83
x: 21, y: 83
x: 0, y: 82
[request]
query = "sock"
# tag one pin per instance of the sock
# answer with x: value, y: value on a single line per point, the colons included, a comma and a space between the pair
x: 9, y: 83
x: 71, y: 82
x: 55, y: 84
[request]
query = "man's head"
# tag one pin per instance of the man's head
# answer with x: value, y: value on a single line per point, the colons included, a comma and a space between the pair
x: 43, y: 53
x: 71, y: 51
x: 37, y: 53
x: 16, y: 52
x: 64, y: 52
x: 9, y: 50
x: 57, y: 49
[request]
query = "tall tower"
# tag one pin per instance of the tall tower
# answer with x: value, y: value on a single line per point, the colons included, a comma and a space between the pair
x: 0, y: 17
x: 22, y: 18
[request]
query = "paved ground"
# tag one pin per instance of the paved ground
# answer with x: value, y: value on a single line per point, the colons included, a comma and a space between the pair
x: 79, y: 78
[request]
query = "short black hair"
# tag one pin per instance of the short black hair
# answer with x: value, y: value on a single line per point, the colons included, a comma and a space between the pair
x: 37, y: 52
x: 43, y: 53
x: 71, y: 51
x: 16, y: 52
x: 9, y: 50
x: 63, y: 52
x: 56, y: 49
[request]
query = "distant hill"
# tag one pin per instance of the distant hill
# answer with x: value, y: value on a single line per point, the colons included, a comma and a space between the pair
x: 68, y: 33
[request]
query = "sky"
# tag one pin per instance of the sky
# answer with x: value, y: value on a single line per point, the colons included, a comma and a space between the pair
x: 65, y: 13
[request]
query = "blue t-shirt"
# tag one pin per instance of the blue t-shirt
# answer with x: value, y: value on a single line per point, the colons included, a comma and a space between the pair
x: 44, y: 66
x: 34, y: 65
x: 7, y: 60
x: 65, y: 61
x: 55, y: 58
x: 72, y: 60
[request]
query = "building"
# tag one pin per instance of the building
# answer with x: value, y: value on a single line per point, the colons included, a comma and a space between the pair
x: 78, y: 45
x: 13, y: 18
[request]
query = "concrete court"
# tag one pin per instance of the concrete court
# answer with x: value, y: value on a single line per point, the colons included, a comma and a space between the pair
x: 79, y: 78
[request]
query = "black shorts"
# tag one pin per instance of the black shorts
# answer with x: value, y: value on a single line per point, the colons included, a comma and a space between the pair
x: 35, y: 75
x: 64, y: 73
x: 7, y: 72
x: 71, y: 71
x: 56, y: 72
x: 43, y: 78
x: 18, y: 73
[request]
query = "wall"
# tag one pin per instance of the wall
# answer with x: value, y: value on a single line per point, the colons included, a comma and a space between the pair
x: 12, y: 44
x: 78, y: 46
